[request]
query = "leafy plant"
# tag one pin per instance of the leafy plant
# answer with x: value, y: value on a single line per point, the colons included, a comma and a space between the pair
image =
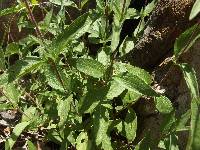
x: 73, y: 95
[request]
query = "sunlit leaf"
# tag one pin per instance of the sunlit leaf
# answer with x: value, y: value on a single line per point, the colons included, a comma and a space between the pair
x: 90, y: 67
x: 132, y: 82
x: 18, y: 129
x: 130, y: 125
x: 195, y: 9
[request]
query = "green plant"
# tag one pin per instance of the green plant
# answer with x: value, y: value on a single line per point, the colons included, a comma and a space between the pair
x: 74, y: 96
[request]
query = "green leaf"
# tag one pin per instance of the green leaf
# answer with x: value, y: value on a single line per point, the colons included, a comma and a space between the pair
x: 163, y: 104
x: 194, y: 138
x: 2, y: 60
x: 149, y: 8
x: 131, y: 97
x: 134, y: 83
x: 90, y: 67
x: 100, y: 128
x: 195, y: 10
x: 126, y: 46
x: 16, y: 133
x: 22, y: 67
x: 29, y: 114
x: 31, y: 146
x: 183, y: 120
x: 140, y: 73
x: 12, y: 93
x: 4, y: 106
x: 115, y: 90
x: 130, y: 125
x: 59, y: 80
x: 83, y: 142
x: 92, y: 98
x: 3, y: 79
x: 186, y: 40
x: 74, y: 31
x: 11, y: 10
x: 64, y: 109
x: 63, y: 2
x: 11, y: 49
x: 191, y: 80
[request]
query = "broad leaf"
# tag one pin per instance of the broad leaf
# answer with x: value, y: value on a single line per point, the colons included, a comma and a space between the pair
x: 90, y: 67
x: 163, y: 104
x: 115, y: 90
x: 134, y: 83
x: 140, y: 73
x: 195, y: 9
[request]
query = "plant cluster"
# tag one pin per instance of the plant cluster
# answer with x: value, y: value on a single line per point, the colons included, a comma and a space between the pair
x: 70, y: 86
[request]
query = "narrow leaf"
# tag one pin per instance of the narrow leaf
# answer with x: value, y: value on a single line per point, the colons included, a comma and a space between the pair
x: 191, y: 80
x: 186, y: 40
x: 16, y: 133
x: 195, y: 10
x: 130, y: 125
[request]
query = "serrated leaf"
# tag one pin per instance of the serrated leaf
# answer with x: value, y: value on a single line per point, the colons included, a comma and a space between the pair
x: 115, y: 90
x: 90, y: 67
x: 18, y: 129
x: 130, y: 125
x: 134, y: 83
x: 163, y: 104
x: 195, y: 10
x: 186, y: 40
x: 22, y: 67
x: 191, y: 79
x: 140, y: 73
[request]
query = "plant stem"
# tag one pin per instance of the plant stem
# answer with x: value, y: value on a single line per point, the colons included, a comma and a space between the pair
x: 32, y: 18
